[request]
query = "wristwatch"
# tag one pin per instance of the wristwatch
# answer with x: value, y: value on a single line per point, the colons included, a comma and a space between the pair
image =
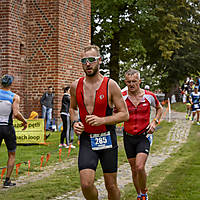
x: 156, y: 120
x: 74, y: 123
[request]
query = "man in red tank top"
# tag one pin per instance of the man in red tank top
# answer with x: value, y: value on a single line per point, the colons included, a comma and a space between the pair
x: 138, y: 129
x: 95, y: 96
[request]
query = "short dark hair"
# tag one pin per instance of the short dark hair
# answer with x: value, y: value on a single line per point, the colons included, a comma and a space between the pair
x: 66, y: 89
x: 50, y: 87
x: 7, y: 80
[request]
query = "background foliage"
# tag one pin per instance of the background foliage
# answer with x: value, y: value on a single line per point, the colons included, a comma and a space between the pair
x: 160, y: 38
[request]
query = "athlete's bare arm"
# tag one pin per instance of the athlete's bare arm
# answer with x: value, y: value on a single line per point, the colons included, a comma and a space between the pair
x: 116, y: 100
x: 73, y: 110
x: 16, y: 113
x: 190, y: 99
x: 151, y: 127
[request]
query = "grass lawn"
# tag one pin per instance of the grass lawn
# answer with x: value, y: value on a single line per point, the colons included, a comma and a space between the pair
x: 178, y: 107
x: 34, y: 153
x: 182, y: 172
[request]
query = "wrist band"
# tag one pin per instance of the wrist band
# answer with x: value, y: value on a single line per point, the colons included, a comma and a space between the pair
x: 74, y: 123
x: 156, y: 120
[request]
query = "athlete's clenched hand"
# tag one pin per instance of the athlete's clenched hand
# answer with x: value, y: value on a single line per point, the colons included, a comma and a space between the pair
x: 151, y: 128
x: 78, y: 128
x: 93, y: 120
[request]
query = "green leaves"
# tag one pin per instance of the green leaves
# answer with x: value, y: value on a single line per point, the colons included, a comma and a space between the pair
x: 163, y: 35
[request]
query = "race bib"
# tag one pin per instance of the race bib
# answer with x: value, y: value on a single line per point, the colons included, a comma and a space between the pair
x: 150, y: 138
x: 101, y: 141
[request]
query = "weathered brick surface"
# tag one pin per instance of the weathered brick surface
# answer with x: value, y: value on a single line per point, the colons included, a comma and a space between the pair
x: 41, y: 43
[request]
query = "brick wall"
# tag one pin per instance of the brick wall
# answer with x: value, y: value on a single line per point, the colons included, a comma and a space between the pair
x: 13, y: 26
x: 41, y: 43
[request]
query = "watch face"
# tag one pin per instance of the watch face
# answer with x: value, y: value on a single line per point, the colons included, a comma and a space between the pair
x: 156, y: 121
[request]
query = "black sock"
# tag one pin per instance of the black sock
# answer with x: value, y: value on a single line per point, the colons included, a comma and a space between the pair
x: 7, y: 179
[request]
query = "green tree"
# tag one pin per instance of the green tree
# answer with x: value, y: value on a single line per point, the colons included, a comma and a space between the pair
x: 161, y: 38
x: 174, y: 42
x: 115, y: 29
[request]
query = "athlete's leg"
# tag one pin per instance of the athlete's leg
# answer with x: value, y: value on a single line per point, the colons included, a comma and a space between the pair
x: 190, y: 111
x: 10, y: 163
x: 132, y: 162
x: 111, y: 186
x: 193, y: 115
x: 198, y: 113
x: 141, y: 159
x: 87, y: 184
x: 187, y: 110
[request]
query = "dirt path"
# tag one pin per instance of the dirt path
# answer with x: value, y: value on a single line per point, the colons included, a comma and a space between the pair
x: 178, y: 134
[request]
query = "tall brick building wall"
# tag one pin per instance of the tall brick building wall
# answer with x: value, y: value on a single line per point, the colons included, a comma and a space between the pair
x: 41, y: 41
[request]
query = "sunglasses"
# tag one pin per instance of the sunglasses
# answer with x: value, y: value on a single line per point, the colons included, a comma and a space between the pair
x: 89, y: 59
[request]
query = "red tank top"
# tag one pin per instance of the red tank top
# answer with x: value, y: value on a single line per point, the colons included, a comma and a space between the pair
x: 100, y: 105
x: 139, y: 117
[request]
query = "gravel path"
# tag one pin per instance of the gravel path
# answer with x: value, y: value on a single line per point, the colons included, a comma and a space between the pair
x: 178, y: 135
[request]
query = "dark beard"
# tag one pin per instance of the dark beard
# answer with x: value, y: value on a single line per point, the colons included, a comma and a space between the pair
x: 94, y: 72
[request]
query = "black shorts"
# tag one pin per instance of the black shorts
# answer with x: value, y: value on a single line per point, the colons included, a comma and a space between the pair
x: 7, y: 132
x: 135, y: 144
x: 88, y: 158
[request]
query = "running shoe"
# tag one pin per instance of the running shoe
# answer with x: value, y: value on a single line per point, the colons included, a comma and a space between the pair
x: 60, y: 145
x: 65, y: 146
x: 8, y: 184
x: 72, y: 146
x: 144, y: 196
x: 198, y: 123
x: 186, y: 116
x: 190, y: 118
x: 139, y: 197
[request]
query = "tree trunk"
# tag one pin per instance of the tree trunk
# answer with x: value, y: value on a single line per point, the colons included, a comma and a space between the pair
x: 173, y: 91
x: 114, y: 58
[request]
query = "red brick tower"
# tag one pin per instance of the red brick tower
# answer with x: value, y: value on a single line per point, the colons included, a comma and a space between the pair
x: 41, y: 41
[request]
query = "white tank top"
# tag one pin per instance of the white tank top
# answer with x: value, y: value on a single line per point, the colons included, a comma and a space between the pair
x: 6, y: 101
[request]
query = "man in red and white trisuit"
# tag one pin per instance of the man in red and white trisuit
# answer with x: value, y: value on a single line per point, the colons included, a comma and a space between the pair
x: 95, y: 96
x: 138, y: 129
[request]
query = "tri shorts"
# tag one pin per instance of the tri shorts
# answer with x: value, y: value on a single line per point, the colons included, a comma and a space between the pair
x: 7, y: 132
x: 195, y: 107
x: 188, y: 103
x: 88, y: 158
x: 135, y: 144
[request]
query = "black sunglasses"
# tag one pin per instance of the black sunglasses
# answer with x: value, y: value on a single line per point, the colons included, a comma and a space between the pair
x: 89, y: 59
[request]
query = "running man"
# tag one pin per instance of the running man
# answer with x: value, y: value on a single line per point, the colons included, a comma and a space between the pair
x: 188, y: 90
x: 195, y: 102
x: 9, y: 106
x: 138, y: 129
x: 95, y: 96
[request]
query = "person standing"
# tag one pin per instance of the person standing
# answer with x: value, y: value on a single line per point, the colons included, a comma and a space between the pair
x: 138, y: 129
x: 195, y: 102
x: 95, y: 96
x: 46, y: 102
x: 67, y: 132
x: 188, y: 90
x: 9, y: 107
